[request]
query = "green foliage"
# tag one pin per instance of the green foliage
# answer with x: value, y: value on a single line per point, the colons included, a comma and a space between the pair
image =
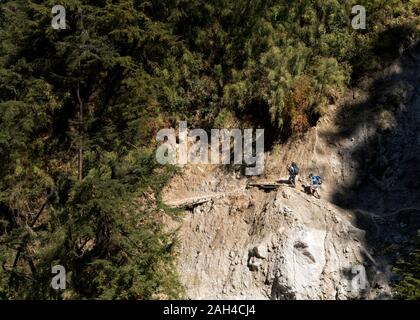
x: 262, y: 48
x: 81, y: 93
x: 409, y: 287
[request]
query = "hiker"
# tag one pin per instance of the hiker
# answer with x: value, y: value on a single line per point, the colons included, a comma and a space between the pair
x: 293, y: 171
x: 316, y: 183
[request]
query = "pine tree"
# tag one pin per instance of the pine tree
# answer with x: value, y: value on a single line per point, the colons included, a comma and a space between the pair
x: 62, y: 105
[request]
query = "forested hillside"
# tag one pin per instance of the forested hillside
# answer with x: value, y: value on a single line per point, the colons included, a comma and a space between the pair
x: 80, y: 108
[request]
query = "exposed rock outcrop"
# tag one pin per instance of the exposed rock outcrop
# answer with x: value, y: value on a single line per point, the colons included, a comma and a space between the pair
x: 250, y: 247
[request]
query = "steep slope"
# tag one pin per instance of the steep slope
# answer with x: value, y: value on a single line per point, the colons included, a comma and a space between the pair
x: 286, y: 244
x: 268, y: 245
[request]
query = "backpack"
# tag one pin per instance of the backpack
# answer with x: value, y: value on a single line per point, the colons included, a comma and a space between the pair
x: 294, y: 169
x: 317, y: 180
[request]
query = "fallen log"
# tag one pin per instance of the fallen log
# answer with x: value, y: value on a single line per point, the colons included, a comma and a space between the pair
x: 264, y: 185
x: 191, y: 202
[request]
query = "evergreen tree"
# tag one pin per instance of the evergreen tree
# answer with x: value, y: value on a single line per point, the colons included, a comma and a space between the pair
x: 71, y: 170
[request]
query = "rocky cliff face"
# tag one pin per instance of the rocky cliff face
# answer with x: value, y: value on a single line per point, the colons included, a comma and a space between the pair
x: 246, y: 243
x: 279, y: 245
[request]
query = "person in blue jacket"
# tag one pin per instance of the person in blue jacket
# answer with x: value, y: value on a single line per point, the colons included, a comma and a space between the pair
x: 316, y: 182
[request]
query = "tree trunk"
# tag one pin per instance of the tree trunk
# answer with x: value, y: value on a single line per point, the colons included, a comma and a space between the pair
x: 80, y: 162
x: 23, y: 243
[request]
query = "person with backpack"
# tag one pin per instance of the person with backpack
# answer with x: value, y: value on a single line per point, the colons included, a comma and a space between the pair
x: 316, y: 182
x: 293, y: 172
